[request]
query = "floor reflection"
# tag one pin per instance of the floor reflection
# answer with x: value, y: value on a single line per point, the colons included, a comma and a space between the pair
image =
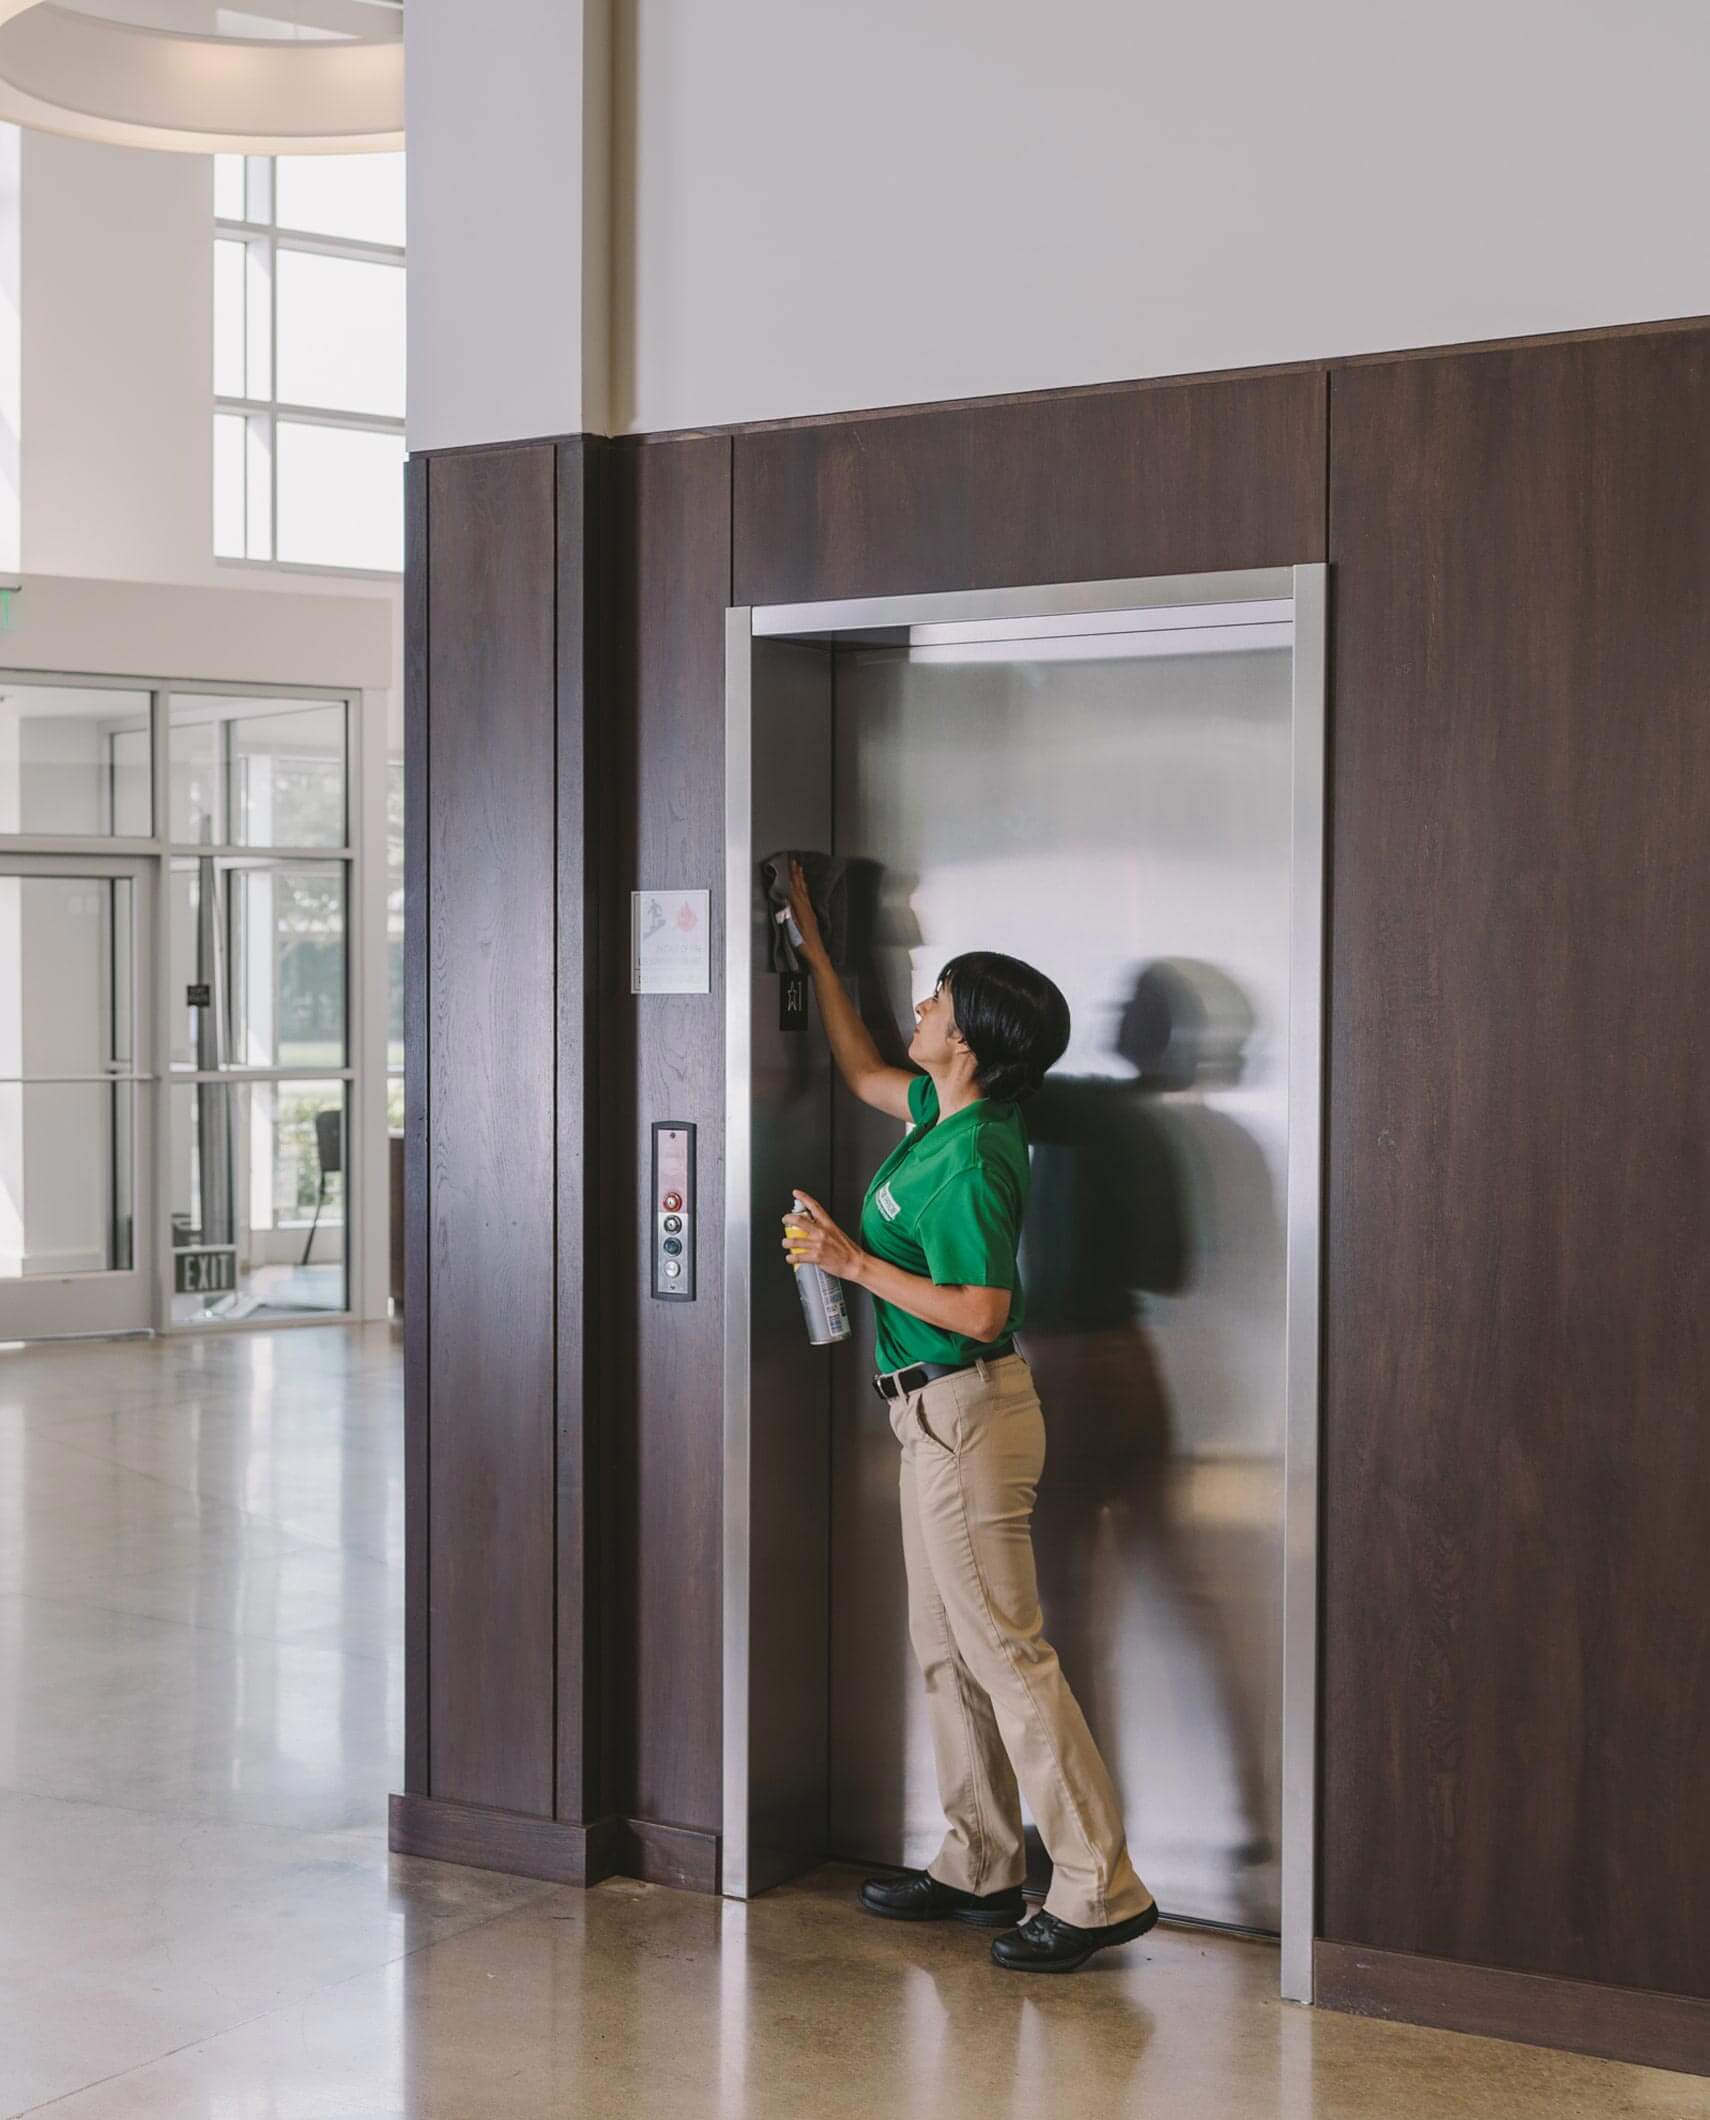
x: 199, y: 1919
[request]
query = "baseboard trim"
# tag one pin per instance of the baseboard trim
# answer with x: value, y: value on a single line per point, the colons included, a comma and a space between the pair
x: 1535, y: 2009
x: 684, y: 1856
x: 504, y: 1840
x: 548, y: 1848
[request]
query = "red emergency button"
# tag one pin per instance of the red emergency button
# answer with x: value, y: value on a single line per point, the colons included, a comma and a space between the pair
x: 672, y: 1202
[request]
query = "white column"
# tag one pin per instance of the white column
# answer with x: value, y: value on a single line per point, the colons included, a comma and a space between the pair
x: 507, y: 115
x: 11, y: 352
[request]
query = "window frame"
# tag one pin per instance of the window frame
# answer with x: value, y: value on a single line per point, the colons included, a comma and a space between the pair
x: 261, y: 415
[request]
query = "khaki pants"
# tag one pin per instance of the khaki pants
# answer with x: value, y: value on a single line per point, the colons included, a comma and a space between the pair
x: 999, y: 1707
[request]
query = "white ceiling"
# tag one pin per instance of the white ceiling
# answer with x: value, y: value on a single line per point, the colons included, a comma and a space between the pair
x: 374, y: 21
x: 191, y: 75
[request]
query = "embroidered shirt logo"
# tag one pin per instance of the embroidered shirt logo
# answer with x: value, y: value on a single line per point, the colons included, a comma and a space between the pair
x: 886, y: 1203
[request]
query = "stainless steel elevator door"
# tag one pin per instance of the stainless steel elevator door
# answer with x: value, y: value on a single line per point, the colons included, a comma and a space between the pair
x: 1123, y: 823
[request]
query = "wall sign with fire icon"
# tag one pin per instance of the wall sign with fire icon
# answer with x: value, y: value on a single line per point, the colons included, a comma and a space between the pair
x: 670, y: 938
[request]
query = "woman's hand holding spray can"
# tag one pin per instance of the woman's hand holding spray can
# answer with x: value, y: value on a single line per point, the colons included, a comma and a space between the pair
x: 822, y: 1294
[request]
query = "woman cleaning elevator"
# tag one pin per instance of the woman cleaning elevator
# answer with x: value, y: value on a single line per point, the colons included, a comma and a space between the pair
x: 939, y: 1234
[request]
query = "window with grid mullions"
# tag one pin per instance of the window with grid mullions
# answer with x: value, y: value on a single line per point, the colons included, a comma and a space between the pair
x: 309, y: 360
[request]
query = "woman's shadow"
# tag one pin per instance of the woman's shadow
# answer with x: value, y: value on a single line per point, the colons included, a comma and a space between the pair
x: 1130, y: 1194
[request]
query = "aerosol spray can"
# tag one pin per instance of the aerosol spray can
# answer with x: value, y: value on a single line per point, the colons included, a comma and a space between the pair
x: 822, y: 1296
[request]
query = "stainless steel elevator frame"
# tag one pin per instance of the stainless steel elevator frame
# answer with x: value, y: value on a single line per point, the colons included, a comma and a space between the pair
x: 1018, y: 615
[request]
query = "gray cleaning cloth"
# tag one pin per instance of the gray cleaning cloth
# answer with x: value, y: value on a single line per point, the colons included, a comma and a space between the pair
x: 828, y: 887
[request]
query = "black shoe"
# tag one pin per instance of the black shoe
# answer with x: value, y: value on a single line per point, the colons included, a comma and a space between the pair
x: 1047, y: 1945
x: 916, y: 1895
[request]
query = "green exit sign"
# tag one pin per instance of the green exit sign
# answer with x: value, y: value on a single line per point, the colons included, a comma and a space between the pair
x: 209, y: 1270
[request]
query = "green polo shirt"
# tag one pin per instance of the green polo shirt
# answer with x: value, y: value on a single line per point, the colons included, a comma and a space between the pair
x: 947, y: 1204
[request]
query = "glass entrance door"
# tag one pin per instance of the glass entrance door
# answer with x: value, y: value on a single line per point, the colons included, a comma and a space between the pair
x: 259, y: 1027
x: 183, y: 1018
x: 76, y: 1069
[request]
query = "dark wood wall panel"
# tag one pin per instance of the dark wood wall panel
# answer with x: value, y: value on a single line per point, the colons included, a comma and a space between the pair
x: 582, y: 708
x: 1517, y: 1505
x: 1518, y: 1488
x: 418, y: 1290
x: 663, y: 1058
x: 490, y: 1037
x: 1174, y: 479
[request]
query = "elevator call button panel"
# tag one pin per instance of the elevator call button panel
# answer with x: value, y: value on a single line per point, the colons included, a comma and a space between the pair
x: 673, y: 1211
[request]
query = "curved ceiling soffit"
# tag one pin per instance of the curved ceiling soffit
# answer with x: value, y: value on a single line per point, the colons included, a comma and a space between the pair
x: 130, y: 86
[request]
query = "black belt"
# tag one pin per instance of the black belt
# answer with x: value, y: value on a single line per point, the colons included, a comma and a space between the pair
x: 898, y: 1383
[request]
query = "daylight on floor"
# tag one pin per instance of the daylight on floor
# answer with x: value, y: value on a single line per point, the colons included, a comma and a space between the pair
x: 852, y: 1156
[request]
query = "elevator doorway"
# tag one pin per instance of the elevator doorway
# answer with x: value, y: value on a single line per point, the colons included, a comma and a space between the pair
x: 1121, y: 783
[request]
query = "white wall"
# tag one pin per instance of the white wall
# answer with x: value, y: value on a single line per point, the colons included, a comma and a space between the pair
x: 868, y: 202
x: 118, y: 370
x: 882, y: 201
x: 117, y: 485
x: 508, y: 216
x: 118, y: 362
x: 118, y: 390
x: 11, y: 345
x: 252, y: 632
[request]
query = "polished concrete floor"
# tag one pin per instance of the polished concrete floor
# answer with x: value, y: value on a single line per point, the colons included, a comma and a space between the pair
x: 200, y: 1711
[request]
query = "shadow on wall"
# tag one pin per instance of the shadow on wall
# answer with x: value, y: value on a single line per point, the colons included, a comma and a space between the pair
x: 1132, y: 1180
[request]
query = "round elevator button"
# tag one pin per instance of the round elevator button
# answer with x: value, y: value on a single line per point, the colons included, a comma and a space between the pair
x: 672, y: 1269
x: 673, y: 1223
x: 673, y: 1245
x: 672, y: 1202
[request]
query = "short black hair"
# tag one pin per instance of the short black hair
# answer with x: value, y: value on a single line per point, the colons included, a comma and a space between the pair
x: 1014, y: 1019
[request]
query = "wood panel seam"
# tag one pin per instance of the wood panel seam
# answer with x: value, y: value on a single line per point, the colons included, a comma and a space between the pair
x: 1586, y: 335
x: 557, y: 1117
